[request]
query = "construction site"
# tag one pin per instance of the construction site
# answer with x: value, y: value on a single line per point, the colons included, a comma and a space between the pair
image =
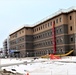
x: 38, y: 37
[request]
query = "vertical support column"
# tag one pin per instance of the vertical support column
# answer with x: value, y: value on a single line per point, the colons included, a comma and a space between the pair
x: 54, y: 37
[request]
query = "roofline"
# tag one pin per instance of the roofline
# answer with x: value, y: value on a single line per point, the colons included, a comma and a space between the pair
x: 24, y: 26
x: 61, y: 11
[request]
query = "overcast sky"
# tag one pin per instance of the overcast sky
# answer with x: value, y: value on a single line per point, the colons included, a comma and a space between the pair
x: 16, y: 13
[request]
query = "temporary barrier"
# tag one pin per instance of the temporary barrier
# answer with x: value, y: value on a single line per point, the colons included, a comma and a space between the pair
x: 54, y: 57
x: 27, y: 74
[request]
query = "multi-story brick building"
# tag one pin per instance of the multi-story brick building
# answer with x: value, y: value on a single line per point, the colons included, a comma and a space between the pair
x: 6, y: 47
x: 22, y: 41
x: 55, y: 34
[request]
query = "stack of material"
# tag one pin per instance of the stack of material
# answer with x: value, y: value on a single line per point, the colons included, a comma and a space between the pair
x: 5, y: 72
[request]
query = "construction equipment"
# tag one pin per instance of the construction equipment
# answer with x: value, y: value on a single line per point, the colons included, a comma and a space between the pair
x: 60, y: 55
x: 65, y: 54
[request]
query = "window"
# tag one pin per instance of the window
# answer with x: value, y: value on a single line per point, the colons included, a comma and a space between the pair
x: 22, y: 31
x: 60, y: 19
x: 62, y: 51
x: 57, y: 30
x: 71, y: 28
x: 70, y: 17
x: 43, y: 35
x: 51, y: 23
x: 48, y: 42
x: 41, y: 27
x: 57, y: 40
x: 37, y: 29
x: 34, y: 30
x: 45, y: 25
x: 39, y: 36
x: 48, y: 33
x: 71, y: 39
x: 20, y: 39
x: 23, y: 46
x: 60, y: 29
x: 72, y: 48
x: 51, y: 42
x: 56, y: 20
x: 61, y: 39
x: 51, y: 32
x: 23, y: 38
x: 48, y: 24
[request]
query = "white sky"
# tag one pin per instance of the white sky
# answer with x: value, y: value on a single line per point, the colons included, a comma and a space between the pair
x: 15, y: 13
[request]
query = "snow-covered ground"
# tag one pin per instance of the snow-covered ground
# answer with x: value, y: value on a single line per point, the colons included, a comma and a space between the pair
x: 42, y: 66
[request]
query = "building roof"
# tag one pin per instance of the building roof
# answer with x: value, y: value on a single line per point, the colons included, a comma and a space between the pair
x: 47, y: 18
x: 19, y: 28
x: 56, y: 14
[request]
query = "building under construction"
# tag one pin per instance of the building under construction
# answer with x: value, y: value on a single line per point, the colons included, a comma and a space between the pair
x: 55, y: 34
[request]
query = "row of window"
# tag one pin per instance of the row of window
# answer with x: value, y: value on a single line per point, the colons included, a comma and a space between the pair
x: 49, y: 51
x: 57, y: 31
x: 18, y: 47
x: 47, y: 24
x: 48, y: 43
x: 48, y: 34
x: 45, y: 43
x: 17, y: 41
x: 15, y: 34
x: 59, y: 40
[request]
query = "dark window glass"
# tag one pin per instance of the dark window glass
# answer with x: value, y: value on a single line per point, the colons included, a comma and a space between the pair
x: 71, y: 28
x: 45, y: 25
x: 60, y: 19
x: 51, y: 23
x: 48, y: 24
x: 70, y: 17
x: 57, y: 30
x: 56, y: 20
x: 60, y: 29
x: 37, y: 29
x: 71, y: 38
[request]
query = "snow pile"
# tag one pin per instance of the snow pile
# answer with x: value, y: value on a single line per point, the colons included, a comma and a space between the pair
x: 44, y: 66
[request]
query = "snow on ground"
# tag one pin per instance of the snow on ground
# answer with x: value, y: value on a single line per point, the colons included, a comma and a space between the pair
x: 43, y: 66
x: 11, y: 60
